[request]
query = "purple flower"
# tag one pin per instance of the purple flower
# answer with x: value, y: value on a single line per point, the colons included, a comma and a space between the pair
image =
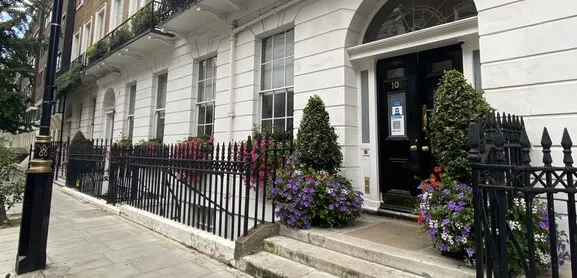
x: 457, y: 239
x: 470, y: 252
x: 331, y: 206
x: 460, y: 195
x: 544, y: 224
x: 447, y: 191
x: 444, y: 247
x: 446, y: 221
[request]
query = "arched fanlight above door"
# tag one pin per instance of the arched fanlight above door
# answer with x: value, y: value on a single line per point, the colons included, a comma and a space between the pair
x: 398, y: 17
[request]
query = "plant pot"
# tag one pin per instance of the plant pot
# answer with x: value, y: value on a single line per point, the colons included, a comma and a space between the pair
x: 458, y: 255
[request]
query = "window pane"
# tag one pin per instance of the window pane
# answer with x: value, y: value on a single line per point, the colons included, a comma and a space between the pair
x: 200, y: 131
x: 201, y: 114
x: 290, y: 103
x: 130, y: 127
x: 161, y: 90
x: 208, y: 130
x: 209, y: 68
x: 279, y: 124
x: 279, y: 46
x: 209, y: 113
x: 290, y: 38
x: 201, y: 91
x: 267, y: 106
x: 279, y: 104
x: 266, y: 126
x: 289, y: 71
x: 266, y: 76
x: 208, y: 93
x: 160, y: 128
x: 290, y: 125
x: 278, y: 74
x: 267, y: 50
x: 201, y: 70
x: 132, y: 100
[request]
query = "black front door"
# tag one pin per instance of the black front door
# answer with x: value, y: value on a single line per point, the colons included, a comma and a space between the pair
x: 406, y: 85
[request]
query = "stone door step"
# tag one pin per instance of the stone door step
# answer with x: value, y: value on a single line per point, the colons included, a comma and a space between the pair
x: 330, y: 261
x: 268, y: 265
x: 415, y: 262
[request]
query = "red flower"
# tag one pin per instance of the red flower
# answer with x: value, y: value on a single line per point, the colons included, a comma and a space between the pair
x: 308, y: 178
x: 437, y: 169
x: 420, y: 219
x: 425, y: 185
x: 432, y: 177
x: 435, y: 184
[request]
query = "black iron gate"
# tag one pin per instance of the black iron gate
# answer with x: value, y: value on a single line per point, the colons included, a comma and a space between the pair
x: 525, y: 218
x: 88, y: 167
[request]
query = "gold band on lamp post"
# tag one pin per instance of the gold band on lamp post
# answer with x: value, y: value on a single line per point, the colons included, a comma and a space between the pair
x: 40, y: 166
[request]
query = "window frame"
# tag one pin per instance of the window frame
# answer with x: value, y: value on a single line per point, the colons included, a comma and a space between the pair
x: 206, y: 102
x: 101, y: 10
x: 287, y: 89
x: 86, y: 43
x: 115, y: 11
x: 160, y: 113
x: 76, y: 48
x: 130, y: 116
x: 79, y: 5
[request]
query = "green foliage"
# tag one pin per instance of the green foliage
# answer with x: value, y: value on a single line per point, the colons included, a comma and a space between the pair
x: 69, y: 80
x: 15, y: 55
x: 277, y: 133
x: 119, y: 37
x: 11, y: 182
x: 78, y: 139
x: 317, y: 140
x: 143, y: 20
x: 456, y: 103
x: 97, y: 50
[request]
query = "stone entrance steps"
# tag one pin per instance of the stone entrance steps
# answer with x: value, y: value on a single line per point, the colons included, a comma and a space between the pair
x: 320, y: 253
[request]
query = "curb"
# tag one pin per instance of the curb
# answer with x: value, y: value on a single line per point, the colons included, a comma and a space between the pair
x: 204, y: 242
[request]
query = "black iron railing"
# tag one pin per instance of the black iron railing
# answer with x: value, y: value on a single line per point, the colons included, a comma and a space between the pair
x: 78, y: 61
x: 87, y: 167
x: 516, y: 205
x: 142, y: 22
x: 219, y: 188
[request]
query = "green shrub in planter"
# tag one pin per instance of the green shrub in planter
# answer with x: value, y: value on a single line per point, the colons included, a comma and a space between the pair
x: 143, y: 20
x: 97, y: 50
x: 456, y: 103
x: 317, y: 140
x: 119, y: 37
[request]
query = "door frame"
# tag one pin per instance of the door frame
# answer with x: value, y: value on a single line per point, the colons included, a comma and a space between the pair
x: 364, y: 59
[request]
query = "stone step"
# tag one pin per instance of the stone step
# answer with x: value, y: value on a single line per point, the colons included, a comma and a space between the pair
x: 427, y: 265
x: 264, y: 264
x: 330, y: 261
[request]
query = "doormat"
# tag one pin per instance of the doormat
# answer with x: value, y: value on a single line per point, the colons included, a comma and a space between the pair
x: 403, y: 235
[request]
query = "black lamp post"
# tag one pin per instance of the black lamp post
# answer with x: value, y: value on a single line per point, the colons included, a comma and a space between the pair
x: 38, y: 191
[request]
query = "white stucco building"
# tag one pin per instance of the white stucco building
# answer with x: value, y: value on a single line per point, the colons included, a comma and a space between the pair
x: 219, y: 67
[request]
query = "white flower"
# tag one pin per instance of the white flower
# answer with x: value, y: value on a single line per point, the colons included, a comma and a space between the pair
x: 345, y: 192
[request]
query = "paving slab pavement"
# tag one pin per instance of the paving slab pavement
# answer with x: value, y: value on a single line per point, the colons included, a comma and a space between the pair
x: 84, y: 241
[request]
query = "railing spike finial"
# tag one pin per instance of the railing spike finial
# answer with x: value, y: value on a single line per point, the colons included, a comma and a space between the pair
x: 525, y: 147
x: 546, y: 143
x: 474, y: 142
x: 567, y: 143
x: 499, y: 141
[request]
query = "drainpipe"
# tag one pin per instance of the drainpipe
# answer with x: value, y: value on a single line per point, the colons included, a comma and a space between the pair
x: 231, y: 80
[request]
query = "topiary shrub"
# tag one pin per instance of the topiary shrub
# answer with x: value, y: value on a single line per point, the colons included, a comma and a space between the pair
x: 456, y: 103
x: 78, y: 139
x: 317, y: 140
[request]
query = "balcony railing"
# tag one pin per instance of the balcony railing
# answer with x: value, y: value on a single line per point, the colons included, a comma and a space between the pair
x: 143, y: 21
x: 79, y: 61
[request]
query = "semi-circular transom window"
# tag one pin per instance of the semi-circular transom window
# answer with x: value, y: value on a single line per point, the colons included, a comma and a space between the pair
x: 399, y: 17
